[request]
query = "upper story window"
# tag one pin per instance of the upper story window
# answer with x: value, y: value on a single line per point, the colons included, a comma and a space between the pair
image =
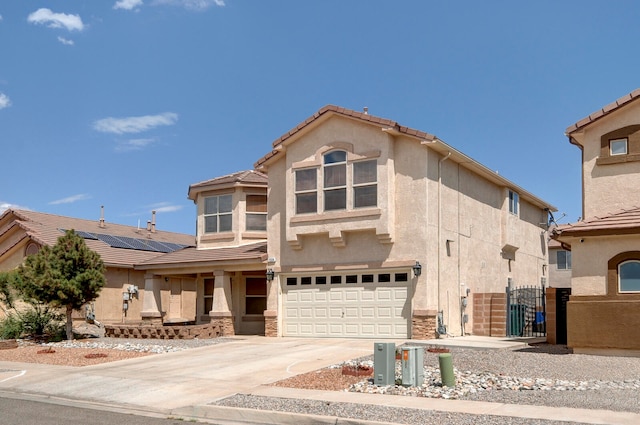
x: 335, y: 180
x: 306, y: 191
x: 343, y: 184
x: 256, y: 212
x: 629, y: 276
x: 618, y: 146
x: 217, y: 213
x: 365, y: 188
x: 563, y: 260
x: 514, y: 202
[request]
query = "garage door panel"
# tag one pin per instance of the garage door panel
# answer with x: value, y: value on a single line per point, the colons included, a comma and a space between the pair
x: 335, y: 313
x: 368, y: 312
x: 351, y: 313
x: 386, y: 312
x: 358, y: 310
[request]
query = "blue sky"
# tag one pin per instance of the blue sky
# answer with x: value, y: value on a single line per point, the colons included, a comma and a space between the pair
x: 126, y: 103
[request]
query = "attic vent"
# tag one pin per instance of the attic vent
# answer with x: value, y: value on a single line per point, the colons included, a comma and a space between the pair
x: 31, y: 249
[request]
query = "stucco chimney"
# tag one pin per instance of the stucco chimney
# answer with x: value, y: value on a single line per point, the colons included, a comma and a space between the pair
x: 101, y: 224
x: 148, y: 225
x: 366, y: 110
x: 153, y: 221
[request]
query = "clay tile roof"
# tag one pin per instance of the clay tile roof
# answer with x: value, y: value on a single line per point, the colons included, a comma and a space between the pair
x: 47, y: 228
x: 247, y: 176
x: 382, y: 122
x: 626, y: 221
x: 255, y: 252
x: 603, y: 111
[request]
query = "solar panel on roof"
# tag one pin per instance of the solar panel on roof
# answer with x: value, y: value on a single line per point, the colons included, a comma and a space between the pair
x: 125, y: 242
x: 82, y: 234
x: 113, y: 241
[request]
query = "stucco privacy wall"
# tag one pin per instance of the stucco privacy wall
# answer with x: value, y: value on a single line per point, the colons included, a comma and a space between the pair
x: 459, y: 245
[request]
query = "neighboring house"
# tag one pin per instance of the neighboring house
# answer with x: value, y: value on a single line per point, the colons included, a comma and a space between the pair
x: 217, y: 277
x: 121, y: 247
x: 363, y: 228
x: 379, y: 230
x: 603, y: 313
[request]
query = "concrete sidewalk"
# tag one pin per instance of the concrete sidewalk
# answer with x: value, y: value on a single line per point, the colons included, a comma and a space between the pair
x: 183, y: 384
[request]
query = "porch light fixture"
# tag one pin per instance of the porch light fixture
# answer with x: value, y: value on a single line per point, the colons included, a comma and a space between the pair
x: 270, y: 275
x: 417, y: 269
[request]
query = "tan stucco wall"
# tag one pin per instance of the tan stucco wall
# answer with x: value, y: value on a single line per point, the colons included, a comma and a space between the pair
x: 108, y: 306
x: 558, y: 278
x: 590, y: 259
x: 474, y: 218
x: 603, y: 184
x: 603, y: 324
x: 238, y: 234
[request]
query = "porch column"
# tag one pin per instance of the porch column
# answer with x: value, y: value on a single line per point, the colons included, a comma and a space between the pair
x: 220, y: 313
x: 151, y: 303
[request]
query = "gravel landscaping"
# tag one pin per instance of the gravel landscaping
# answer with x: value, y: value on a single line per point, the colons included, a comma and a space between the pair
x: 543, y: 375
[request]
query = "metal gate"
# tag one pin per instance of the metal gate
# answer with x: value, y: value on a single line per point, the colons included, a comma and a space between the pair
x: 526, y: 311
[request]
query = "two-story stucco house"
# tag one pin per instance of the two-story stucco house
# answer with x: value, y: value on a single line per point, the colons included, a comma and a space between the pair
x: 352, y: 226
x: 379, y: 230
x: 603, y: 311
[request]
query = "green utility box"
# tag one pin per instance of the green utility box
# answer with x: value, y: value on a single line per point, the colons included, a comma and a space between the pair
x: 384, y: 363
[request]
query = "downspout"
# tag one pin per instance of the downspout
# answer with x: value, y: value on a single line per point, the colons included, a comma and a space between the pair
x: 441, y: 329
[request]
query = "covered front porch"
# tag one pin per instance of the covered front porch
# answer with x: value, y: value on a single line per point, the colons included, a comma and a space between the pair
x: 225, y: 287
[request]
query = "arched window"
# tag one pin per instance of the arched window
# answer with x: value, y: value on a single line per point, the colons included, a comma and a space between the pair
x: 335, y: 180
x: 629, y: 276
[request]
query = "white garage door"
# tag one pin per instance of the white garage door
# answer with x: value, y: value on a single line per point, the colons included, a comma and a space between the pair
x: 356, y: 306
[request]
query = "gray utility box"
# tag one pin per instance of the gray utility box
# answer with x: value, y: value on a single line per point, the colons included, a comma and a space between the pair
x: 412, y: 360
x: 384, y: 363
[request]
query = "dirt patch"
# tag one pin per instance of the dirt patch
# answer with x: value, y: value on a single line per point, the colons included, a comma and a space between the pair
x: 66, y: 356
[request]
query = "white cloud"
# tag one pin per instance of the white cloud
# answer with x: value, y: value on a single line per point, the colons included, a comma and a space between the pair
x: 0, y: 17
x: 134, y: 124
x: 191, y: 4
x: 165, y: 207
x: 6, y: 205
x: 46, y: 17
x: 65, y: 41
x: 70, y: 199
x: 5, y: 102
x: 127, y: 4
x: 134, y: 145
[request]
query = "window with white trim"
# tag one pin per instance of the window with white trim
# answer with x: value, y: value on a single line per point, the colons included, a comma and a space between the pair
x: 563, y: 260
x: 514, y: 202
x: 618, y: 146
x: 365, y: 188
x: 217, y: 213
x: 335, y: 180
x: 629, y: 276
x: 344, y: 185
x: 256, y: 206
x: 306, y: 191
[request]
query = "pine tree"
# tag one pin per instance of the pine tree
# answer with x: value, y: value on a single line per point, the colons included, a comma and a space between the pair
x: 67, y: 275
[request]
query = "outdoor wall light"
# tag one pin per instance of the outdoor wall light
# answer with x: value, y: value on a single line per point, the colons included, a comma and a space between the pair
x: 270, y: 275
x: 417, y: 269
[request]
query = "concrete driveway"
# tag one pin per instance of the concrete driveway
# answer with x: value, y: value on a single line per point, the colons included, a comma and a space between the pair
x: 197, y: 376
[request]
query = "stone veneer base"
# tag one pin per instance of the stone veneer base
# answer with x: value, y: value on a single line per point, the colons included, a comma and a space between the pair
x: 143, y: 330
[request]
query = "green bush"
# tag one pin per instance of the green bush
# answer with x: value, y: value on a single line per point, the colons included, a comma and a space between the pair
x: 40, y: 321
x: 11, y: 327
